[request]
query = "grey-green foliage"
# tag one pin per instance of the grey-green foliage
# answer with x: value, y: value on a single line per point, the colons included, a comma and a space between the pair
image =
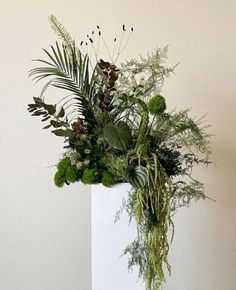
x: 145, y: 76
x: 180, y: 129
x: 150, y: 207
x: 117, y: 165
x: 153, y: 206
x: 183, y: 192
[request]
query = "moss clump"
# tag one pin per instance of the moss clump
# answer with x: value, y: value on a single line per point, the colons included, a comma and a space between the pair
x: 66, y: 172
x: 59, y: 179
x: 108, y: 179
x: 71, y: 173
x: 157, y: 105
x: 103, y: 161
x: 90, y: 176
x: 63, y: 164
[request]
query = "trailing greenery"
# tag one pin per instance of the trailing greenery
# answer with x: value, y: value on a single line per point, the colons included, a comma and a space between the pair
x: 116, y: 128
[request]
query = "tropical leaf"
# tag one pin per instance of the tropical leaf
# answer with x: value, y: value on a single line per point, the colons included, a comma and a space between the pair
x: 118, y: 135
x: 136, y: 176
x: 61, y: 113
x: 71, y: 73
x: 50, y: 108
x: 55, y: 124
x: 62, y: 133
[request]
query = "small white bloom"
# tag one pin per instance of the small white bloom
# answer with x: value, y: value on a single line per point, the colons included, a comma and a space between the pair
x: 86, y: 162
x: 79, y: 165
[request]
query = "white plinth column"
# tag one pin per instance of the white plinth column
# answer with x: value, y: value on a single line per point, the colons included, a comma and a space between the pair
x: 109, y: 270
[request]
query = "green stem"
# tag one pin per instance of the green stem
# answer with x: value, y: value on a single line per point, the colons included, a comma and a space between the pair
x: 142, y: 131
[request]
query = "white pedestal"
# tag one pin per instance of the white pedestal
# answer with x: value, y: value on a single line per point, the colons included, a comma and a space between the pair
x: 109, y: 239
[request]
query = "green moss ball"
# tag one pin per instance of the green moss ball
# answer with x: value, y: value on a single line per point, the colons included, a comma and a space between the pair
x: 108, y: 179
x: 59, y: 179
x: 157, y: 105
x: 102, y: 162
x: 63, y: 164
x: 71, y: 173
x: 90, y: 176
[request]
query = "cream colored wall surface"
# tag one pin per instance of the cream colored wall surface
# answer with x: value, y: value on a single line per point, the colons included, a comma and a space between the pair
x: 44, y: 231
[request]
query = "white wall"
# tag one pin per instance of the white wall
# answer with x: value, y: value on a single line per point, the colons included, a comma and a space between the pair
x: 44, y: 232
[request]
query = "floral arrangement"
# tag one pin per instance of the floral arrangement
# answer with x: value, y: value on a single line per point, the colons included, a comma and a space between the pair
x: 116, y: 128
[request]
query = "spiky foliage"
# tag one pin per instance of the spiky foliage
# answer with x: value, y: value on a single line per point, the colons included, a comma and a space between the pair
x: 110, y: 137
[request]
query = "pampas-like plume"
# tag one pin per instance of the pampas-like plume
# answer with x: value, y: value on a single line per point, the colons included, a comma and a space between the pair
x: 61, y: 31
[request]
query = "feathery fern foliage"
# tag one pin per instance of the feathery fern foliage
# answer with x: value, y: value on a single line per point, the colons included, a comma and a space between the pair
x: 117, y: 129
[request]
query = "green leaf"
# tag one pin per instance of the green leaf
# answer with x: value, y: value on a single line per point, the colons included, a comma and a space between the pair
x: 50, y: 108
x: 61, y: 114
x: 62, y: 133
x: 46, y: 127
x: 46, y: 118
x: 38, y: 101
x: 55, y: 124
x: 136, y: 176
x: 118, y: 135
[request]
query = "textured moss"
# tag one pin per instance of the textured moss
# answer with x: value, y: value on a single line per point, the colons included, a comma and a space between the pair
x: 108, y: 179
x: 63, y: 164
x: 65, y: 173
x: 71, y: 174
x: 103, y: 161
x: 90, y: 176
x: 157, y: 105
x: 59, y: 179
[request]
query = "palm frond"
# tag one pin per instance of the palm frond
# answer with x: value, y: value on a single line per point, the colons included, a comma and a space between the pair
x: 71, y: 73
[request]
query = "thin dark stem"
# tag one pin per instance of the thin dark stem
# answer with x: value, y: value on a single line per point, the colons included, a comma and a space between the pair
x: 104, y: 42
